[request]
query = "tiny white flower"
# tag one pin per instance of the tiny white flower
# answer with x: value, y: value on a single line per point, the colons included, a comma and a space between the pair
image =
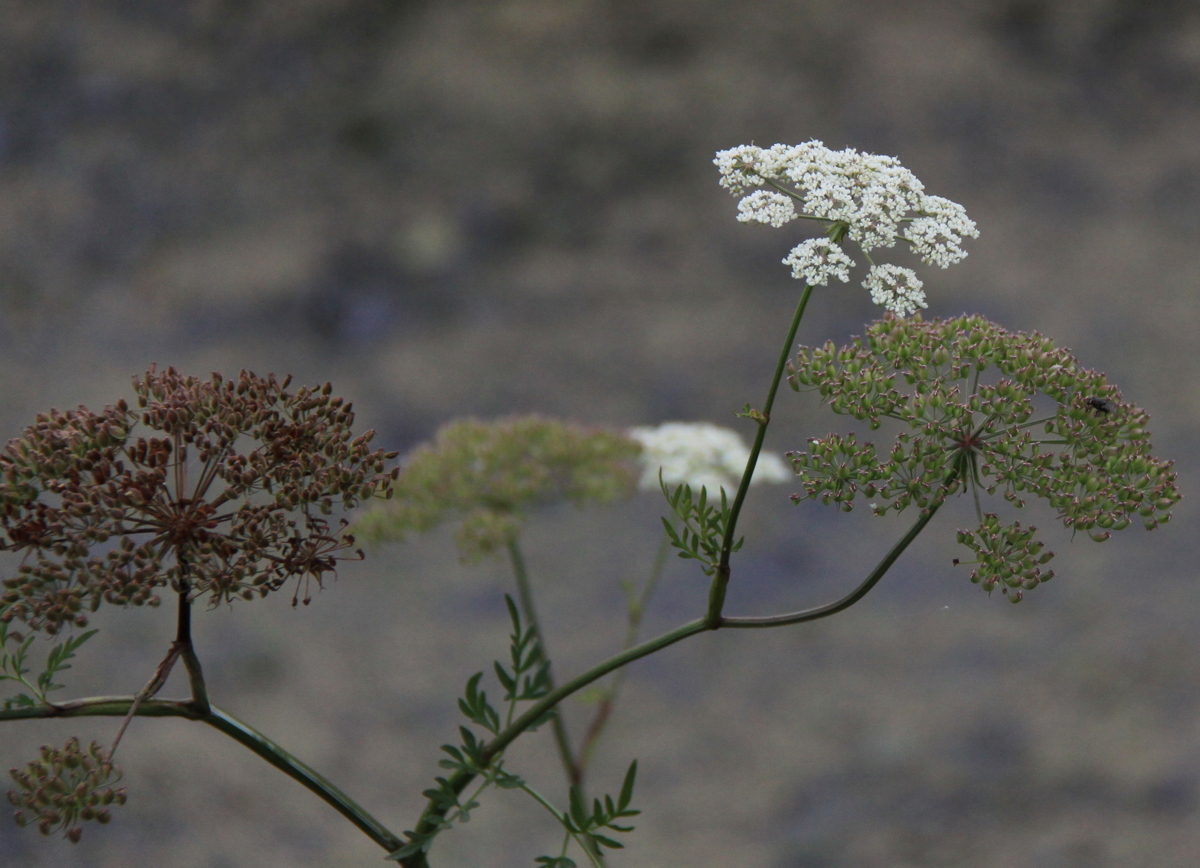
x: 701, y: 455
x: 898, y: 289
x: 816, y: 260
x: 763, y: 206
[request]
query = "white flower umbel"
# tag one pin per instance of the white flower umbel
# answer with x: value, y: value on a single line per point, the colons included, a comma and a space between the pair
x: 869, y: 199
x: 936, y: 235
x: 816, y: 260
x: 898, y: 289
x: 763, y: 206
x: 701, y: 455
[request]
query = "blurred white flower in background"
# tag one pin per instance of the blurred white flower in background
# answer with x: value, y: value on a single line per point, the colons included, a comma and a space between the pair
x: 870, y: 199
x: 701, y: 455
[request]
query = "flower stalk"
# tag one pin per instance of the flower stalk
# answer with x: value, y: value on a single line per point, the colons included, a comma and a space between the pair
x: 525, y: 596
x: 720, y: 579
x: 636, y: 609
x: 247, y: 736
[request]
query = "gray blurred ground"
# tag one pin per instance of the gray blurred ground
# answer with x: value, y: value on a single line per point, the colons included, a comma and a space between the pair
x: 493, y: 207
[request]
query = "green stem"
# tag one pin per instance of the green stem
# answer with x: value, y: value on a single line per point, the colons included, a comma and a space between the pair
x: 562, y: 820
x: 195, y: 678
x: 459, y: 780
x: 525, y: 595
x: 637, y: 609
x: 720, y: 581
x: 183, y: 640
x: 117, y: 706
x: 299, y: 771
x: 854, y: 596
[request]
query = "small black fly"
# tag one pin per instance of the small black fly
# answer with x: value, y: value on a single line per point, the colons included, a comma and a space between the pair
x: 1101, y: 405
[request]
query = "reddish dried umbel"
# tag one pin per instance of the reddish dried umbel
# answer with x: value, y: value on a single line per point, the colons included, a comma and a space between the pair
x: 966, y: 391
x: 62, y: 788
x: 221, y: 493
x: 490, y: 472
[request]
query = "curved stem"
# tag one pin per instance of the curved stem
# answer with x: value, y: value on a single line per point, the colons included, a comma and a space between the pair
x: 854, y: 596
x: 716, y: 590
x: 459, y: 780
x: 525, y: 595
x: 247, y: 736
x: 292, y: 767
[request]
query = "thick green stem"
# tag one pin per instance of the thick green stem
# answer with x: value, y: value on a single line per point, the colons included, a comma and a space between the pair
x: 299, y: 771
x: 117, y: 706
x: 525, y: 595
x: 720, y: 580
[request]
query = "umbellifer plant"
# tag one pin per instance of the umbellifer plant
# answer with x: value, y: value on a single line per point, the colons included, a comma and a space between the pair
x: 226, y: 497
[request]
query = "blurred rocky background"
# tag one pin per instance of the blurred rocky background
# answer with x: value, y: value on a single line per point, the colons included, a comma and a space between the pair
x: 453, y: 208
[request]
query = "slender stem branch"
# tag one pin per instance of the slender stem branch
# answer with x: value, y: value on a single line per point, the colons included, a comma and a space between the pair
x: 195, y: 679
x: 155, y: 684
x: 976, y: 483
x: 1031, y: 424
x: 116, y: 706
x: 459, y: 780
x: 306, y: 776
x: 182, y: 646
x: 183, y: 612
x: 103, y: 706
x: 562, y: 820
x: 637, y: 609
x: 854, y: 596
x: 525, y: 595
x: 183, y: 640
x: 720, y: 581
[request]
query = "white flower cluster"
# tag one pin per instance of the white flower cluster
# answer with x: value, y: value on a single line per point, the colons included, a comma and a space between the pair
x: 898, y: 289
x: 870, y: 199
x: 818, y: 259
x: 701, y: 455
x: 763, y: 206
